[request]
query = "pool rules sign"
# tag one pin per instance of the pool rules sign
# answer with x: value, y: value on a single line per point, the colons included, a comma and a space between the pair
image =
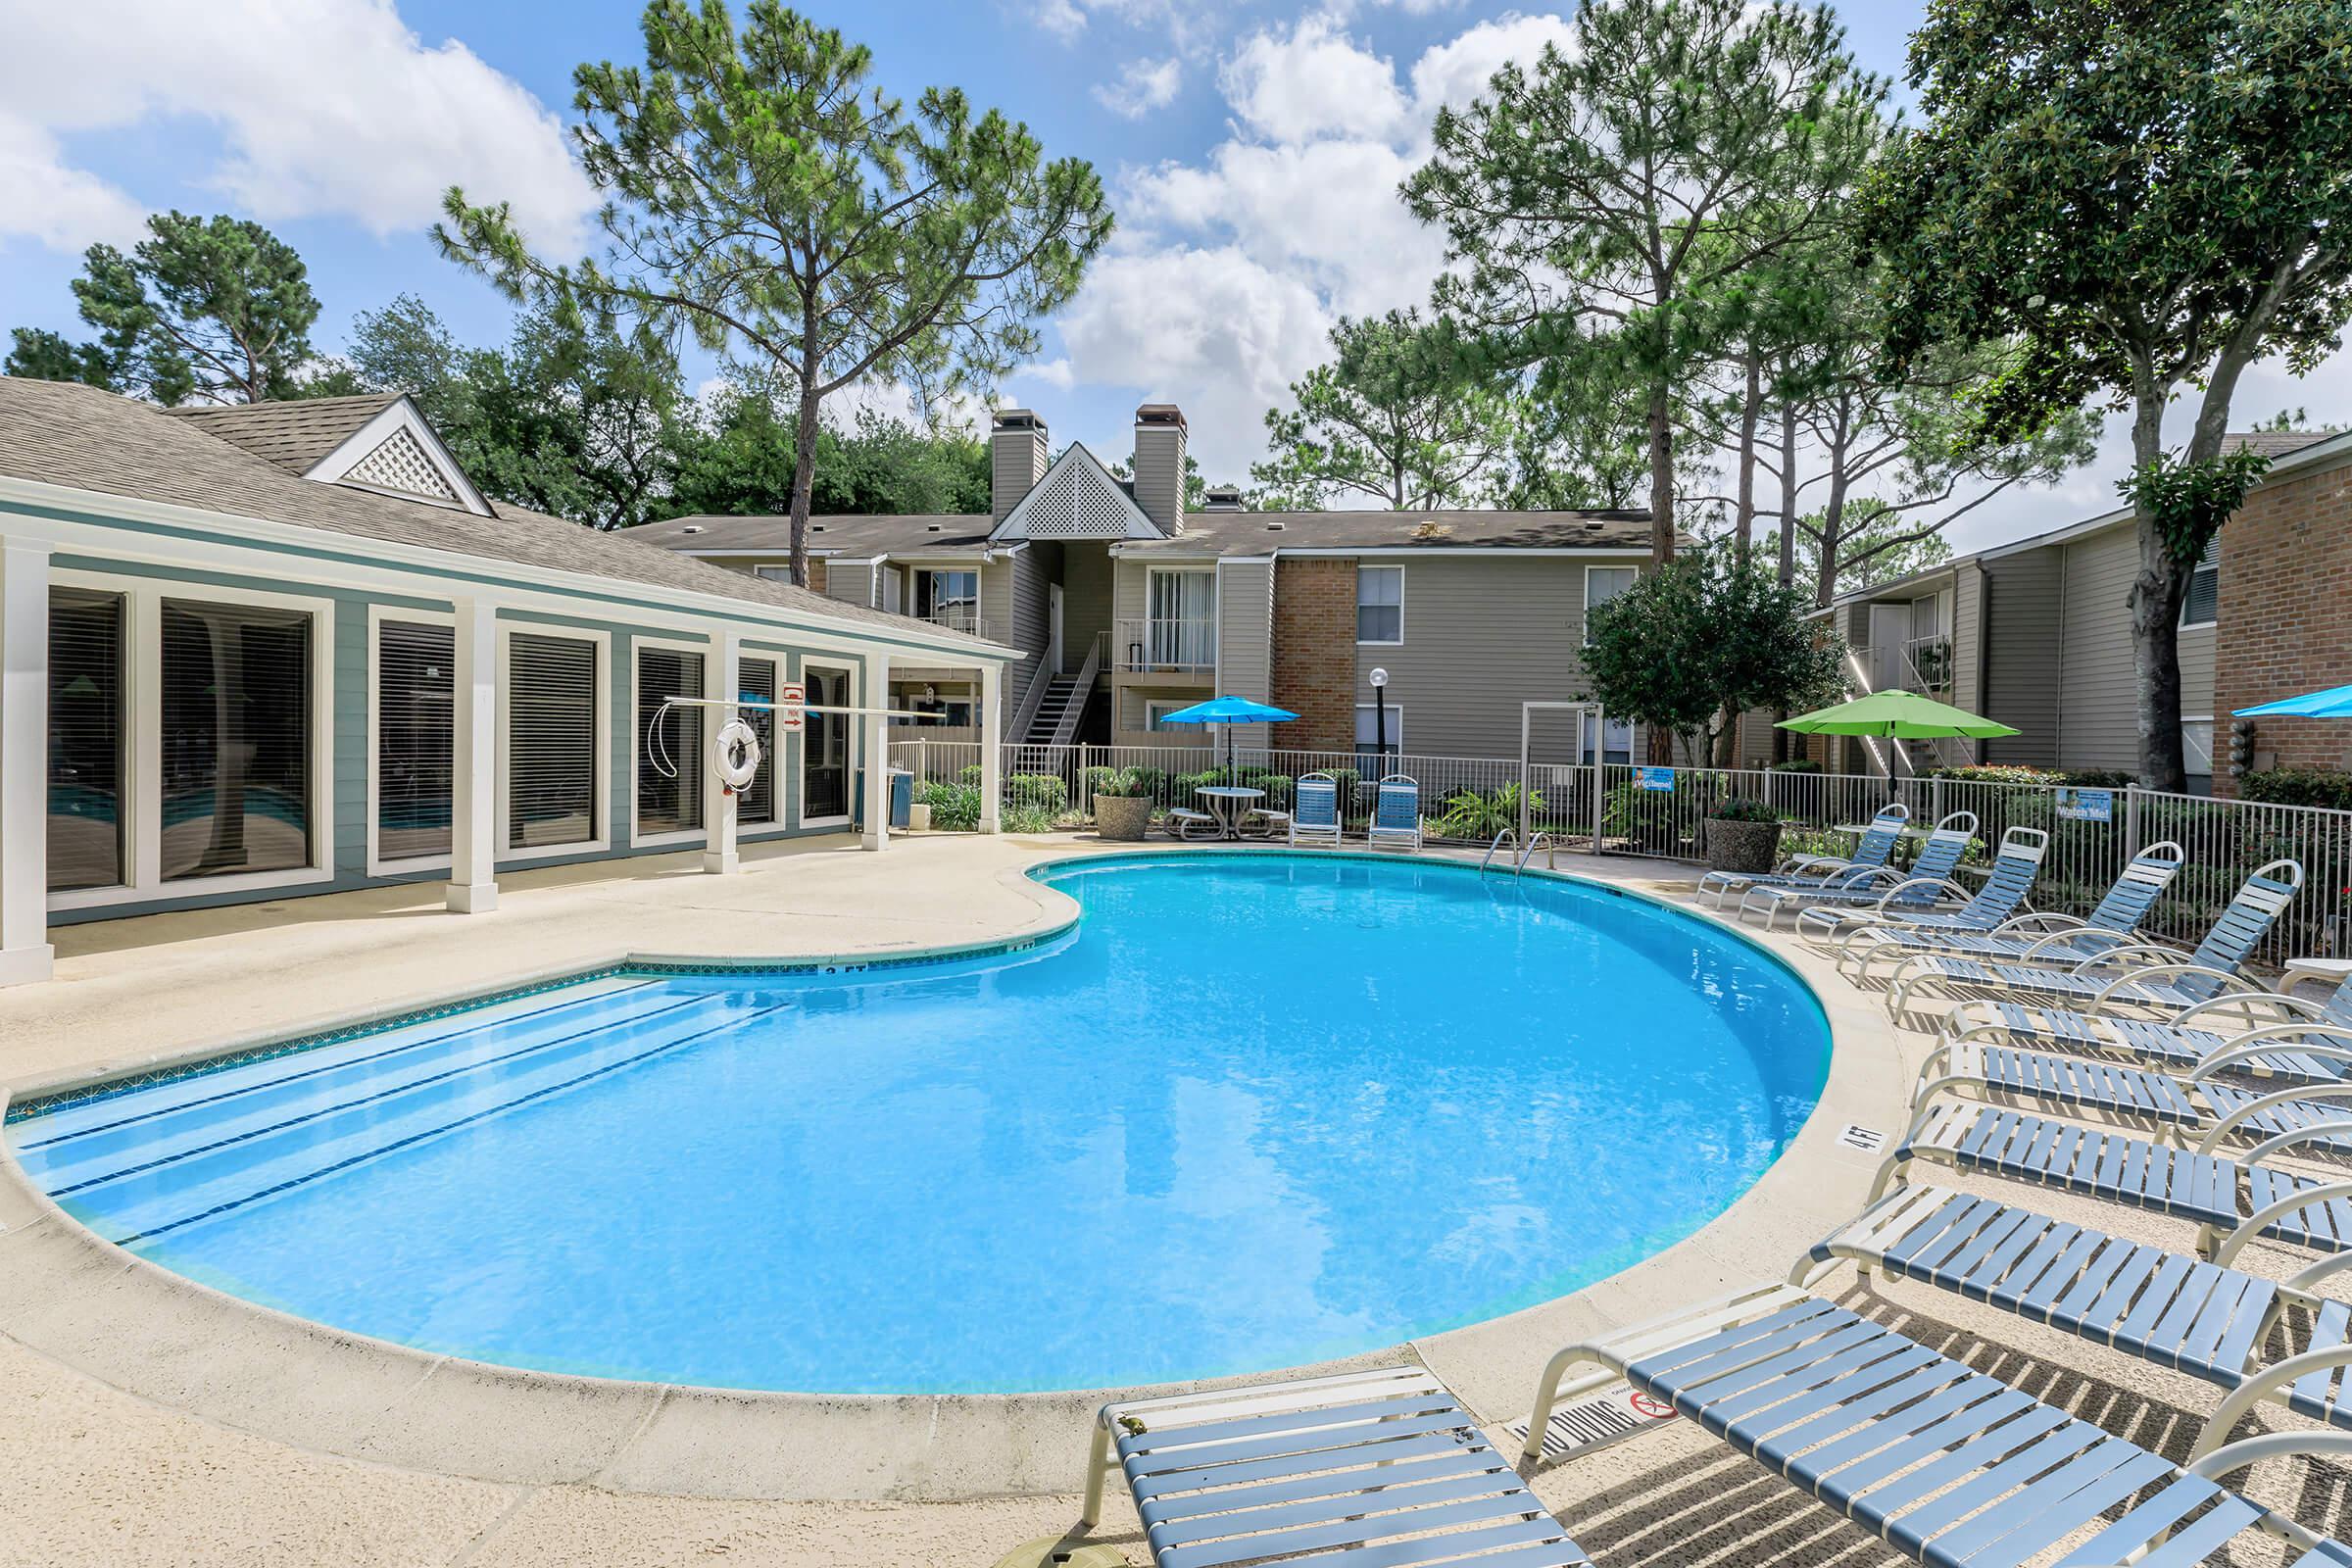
x: 792, y: 707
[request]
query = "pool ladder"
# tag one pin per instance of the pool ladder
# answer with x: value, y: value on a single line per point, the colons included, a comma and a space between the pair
x: 1541, y: 840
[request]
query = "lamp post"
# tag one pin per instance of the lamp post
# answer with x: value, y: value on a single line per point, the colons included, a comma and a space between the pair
x: 1379, y: 717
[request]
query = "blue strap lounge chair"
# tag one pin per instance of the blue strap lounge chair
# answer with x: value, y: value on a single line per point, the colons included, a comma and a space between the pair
x: 2026, y: 938
x: 1315, y: 810
x: 2266, y: 1034
x: 1921, y: 887
x: 1374, y: 1468
x: 1872, y: 852
x: 2149, y: 977
x: 2205, y: 1319
x: 2233, y: 1201
x: 1946, y: 1464
x: 1397, y: 812
x: 2016, y: 865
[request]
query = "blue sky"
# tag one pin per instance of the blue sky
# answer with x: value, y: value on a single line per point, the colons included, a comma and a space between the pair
x: 1252, y: 149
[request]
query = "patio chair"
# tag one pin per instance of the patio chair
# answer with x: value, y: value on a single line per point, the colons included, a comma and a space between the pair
x: 2029, y: 938
x: 2206, y: 1319
x: 1397, y: 812
x: 1872, y: 852
x: 2016, y: 865
x: 1921, y: 887
x: 1315, y: 810
x: 2149, y: 976
x: 1946, y: 1464
x: 1344, y: 1467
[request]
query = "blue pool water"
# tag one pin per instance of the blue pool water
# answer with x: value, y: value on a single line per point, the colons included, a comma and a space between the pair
x: 1252, y: 1111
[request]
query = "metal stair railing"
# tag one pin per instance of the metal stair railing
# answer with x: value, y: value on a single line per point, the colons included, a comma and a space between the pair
x: 1081, y: 694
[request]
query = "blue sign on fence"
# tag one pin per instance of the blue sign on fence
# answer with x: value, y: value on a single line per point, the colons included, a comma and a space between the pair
x: 2087, y: 806
x: 1660, y: 779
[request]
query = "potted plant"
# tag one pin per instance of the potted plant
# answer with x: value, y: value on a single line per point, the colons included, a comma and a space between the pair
x: 1742, y: 834
x: 1122, y: 806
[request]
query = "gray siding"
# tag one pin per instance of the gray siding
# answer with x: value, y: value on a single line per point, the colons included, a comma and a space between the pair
x: 852, y: 584
x: 2022, y: 594
x: 1160, y: 474
x: 2196, y: 680
x: 1086, y: 588
x: 1483, y: 634
x: 1246, y: 637
x: 2097, y: 727
x: 1967, y: 644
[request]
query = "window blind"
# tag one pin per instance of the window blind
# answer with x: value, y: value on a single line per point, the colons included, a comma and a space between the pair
x: 550, y: 741
x: 416, y: 737
x: 669, y: 803
x: 758, y: 684
x: 236, y: 739
x: 86, y: 847
x: 1379, y: 604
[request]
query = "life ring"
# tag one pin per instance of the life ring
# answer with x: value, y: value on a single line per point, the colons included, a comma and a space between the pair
x: 735, y: 753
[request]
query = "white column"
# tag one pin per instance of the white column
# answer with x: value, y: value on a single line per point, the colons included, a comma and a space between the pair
x: 24, y: 950
x: 875, y: 832
x: 473, y: 770
x: 722, y: 678
x: 991, y: 747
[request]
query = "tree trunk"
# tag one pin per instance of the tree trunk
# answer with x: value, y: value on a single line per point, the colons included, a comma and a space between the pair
x: 2155, y: 599
x: 804, y: 479
x: 1661, y: 474
x: 1743, y: 520
x: 1787, y: 563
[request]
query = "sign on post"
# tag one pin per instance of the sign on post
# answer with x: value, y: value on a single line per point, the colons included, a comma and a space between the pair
x: 1659, y: 779
x: 792, y: 707
x: 2085, y: 806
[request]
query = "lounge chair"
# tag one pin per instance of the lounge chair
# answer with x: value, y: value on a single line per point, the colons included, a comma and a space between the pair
x: 1920, y: 887
x: 2016, y: 864
x: 1397, y: 812
x: 1872, y: 852
x: 2029, y: 938
x: 2149, y: 976
x: 1345, y: 1467
x: 2206, y: 1319
x: 1946, y: 1464
x: 1315, y: 810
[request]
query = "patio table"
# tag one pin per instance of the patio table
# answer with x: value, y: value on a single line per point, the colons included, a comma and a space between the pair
x: 1229, y: 803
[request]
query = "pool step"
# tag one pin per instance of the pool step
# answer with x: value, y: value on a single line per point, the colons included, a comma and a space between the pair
x: 204, y: 1171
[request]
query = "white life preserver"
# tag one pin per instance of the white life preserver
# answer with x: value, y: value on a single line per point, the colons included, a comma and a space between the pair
x: 735, y: 753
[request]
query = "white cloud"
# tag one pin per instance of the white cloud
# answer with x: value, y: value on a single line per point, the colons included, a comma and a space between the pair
x: 331, y: 109
x: 62, y: 208
x: 1143, y: 86
x: 1450, y: 74
x: 1312, y: 81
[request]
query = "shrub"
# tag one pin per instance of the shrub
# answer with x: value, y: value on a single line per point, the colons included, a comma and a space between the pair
x: 1469, y: 814
x: 1804, y: 764
x: 1119, y: 783
x: 969, y: 773
x: 955, y: 808
x: 1037, y: 792
x: 1740, y: 808
x: 2090, y: 779
x: 2298, y: 786
x: 1276, y: 785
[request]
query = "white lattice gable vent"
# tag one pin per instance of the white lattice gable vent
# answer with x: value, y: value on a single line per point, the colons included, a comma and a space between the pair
x: 397, y: 454
x: 1077, y: 499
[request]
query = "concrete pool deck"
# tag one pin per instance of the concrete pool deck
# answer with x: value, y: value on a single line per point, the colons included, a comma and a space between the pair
x: 155, y: 1421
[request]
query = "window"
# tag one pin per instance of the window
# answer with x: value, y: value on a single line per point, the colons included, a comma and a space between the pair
x: 825, y: 749
x: 669, y: 742
x: 2201, y: 607
x: 1602, y: 584
x: 949, y: 597
x: 889, y: 588
x: 416, y: 737
x: 1619, y: 746
x: 2196, y: 753
x: 236, y: 739
x: 551, y: 745
x: 755, y: 682
x: 1156, y: 715
x: 1380, y: 604
x: 1369, y: 725
x: 86, y: 838
x: 773, y: 573
x: 1183, y: 629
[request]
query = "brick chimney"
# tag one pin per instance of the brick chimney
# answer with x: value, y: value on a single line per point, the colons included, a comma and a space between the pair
x: 1160, y: 464
x: 1016, y: 454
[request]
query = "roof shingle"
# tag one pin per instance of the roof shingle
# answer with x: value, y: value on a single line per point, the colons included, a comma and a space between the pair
x: 297, y: 436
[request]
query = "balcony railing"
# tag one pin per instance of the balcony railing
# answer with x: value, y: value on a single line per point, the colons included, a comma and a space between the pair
x: 1928, y: 661
x: 960, y: 617
x: 1158, y: 645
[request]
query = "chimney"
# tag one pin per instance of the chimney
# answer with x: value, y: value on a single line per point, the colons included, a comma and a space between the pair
x: 1222, y: 498
x: 1160, y: 464
x: 1016, y: 459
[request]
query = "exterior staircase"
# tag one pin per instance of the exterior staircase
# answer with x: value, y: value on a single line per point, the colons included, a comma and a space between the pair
x: 1060, y: 707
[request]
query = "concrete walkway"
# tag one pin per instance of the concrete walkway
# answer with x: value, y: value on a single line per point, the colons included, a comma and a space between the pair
x: 140, y: 1425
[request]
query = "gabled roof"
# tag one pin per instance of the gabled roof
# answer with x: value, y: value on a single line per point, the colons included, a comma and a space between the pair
x: 854, y: 534
x: 1077, y: 499
x: 65, y: 434
x: 297, y: 436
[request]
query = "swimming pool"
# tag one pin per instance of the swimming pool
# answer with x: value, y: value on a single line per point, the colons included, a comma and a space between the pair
x: 1252, y: 1110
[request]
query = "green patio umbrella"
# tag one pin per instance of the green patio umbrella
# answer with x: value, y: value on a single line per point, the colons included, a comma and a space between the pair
x: 1897, y: 714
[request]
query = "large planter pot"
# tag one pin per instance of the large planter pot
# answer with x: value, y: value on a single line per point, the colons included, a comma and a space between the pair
x: 1750, y: 846
x: 1122, y: 818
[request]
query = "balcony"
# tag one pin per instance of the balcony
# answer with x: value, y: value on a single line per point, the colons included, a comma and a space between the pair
x: 960, y: 617
x: 1162, y: 647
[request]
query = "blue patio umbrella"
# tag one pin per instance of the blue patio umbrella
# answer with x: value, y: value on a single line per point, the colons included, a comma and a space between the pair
x: 1229, y: 711
x: 2333, y: 702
